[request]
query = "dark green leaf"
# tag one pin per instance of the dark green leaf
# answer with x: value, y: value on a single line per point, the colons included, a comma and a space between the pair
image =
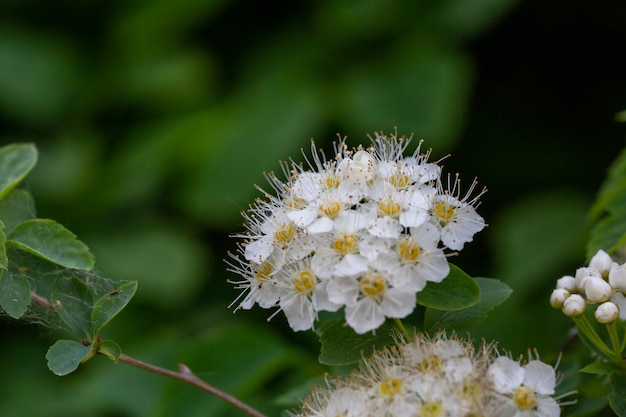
x: 73, y: 300
x: 617, y: 399
x: 65, y: 356
x: 4, y: 261
x: 16, y: 161
x: 14, y: 293
x: 457, y: 291
x: 600, y: 368
x: 109, y: 305
x: 493, y: 292
x: 15, y: 208
x: 343, y: 346
x: 53, y: 242
x: 110, y: 349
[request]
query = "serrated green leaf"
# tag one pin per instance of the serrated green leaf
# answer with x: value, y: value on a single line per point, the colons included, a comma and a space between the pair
x: 14, y: 293
x: 110, y: 349
x: 17, y: 207
x: 16, y: 161
x: 617, y: 399
x: 457, y: 291
x: 73, y: 300
x: 599, y: 368
x: 65, y: 356
x: 109, y: 305
x: 341, y: 345
x: 608, y: 234
x: 53, y: 242
x: 493, y: 292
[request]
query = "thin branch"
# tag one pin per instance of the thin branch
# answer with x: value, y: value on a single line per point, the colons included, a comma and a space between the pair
x: 185, y: 375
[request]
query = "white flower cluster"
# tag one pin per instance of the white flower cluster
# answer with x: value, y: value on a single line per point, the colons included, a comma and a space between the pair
x: 365, y: 230
x: 603, y: 282
x: 439, y: 377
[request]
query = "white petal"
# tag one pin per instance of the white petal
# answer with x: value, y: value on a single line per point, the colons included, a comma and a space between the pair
x: 540, y: 377
x: 506, y: 374
x: 365, y: 315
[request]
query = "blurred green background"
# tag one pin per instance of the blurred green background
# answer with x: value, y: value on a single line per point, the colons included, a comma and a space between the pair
x: 155, y: 118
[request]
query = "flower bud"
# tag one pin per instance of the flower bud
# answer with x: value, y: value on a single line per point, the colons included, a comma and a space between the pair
x: 582, y: 275
x: 606, y: 312
x: 620, y: 301
x: 567, y: 282
x: 617, y: 276
x: 558, y: 296
x: 597, y: 290
x: 601, y: 261
x: 574, y: 305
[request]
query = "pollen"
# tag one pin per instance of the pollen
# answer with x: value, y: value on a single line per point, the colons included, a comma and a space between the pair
x: 408, y: 250
x: 430, y: 364
x: 332, y: 181
x: 431, y: 409
x: 399, y: 181
x: 390, y: 207
x: 330, y: 209
x: 525, y: 398
x: 390, y: 387
x: 285, y: 233
x: 263, y: 272
x: 305, y: 282
x: 346, y: 243
x: 444, y: 211
x: 373, y: 285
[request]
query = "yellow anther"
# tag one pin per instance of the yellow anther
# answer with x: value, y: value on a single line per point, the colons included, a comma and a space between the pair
x: 408, y: 250
x: 390, y: 207
x: 264, y: 271
x: 390, y: 387
x: 330, y: 209
x: 444, y: 211
x: 332, y: 181
x: 373, y: 285
x: 431, y: 409
x: 346, y: 243
x: 285, y: 232
x: 525, y: 398
x: 305, y: 281
x: 399, y: 180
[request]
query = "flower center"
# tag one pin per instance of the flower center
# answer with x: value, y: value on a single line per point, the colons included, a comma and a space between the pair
x: 373, y: 285
x: 525, y: 398
x: 408, y: 250
x: 444, y: 211
x: 399, y: 180
x: 431, y: 409
x: 390, y: 207
x: 390, y: 387
x: 285, y: 233
x: 346, y: 243
x: 332, y: 181
x: 331, y: 208
x: 305, y: 282
x: 430, y: 364
x: 263, y: 272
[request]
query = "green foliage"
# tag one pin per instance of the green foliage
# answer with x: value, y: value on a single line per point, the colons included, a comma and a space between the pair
x: 492, y: 293
x: 109, y: 305
x: 617, y: 399
x: 16, y: 161
x: 15, y: 294
x: 457, y: 291
x: 341, y: 345
x: 65, y: 356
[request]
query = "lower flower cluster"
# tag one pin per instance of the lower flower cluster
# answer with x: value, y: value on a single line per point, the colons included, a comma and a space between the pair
x: 439, y: 377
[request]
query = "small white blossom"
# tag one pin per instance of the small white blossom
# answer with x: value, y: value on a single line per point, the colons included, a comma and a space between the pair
x: 607, y: 312
x: 574, y: 305
x: 558, y: 297
x: 597, y: 289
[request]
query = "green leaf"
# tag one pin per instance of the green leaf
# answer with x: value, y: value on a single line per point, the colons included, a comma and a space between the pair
x: 109, y: 305
x: 600, y: 368
x: 457, y: 291
x: 15, y: 208
x: 493, y: 292
x: 110, y: 349
x: 617, y: 399
x: 341, y: 345
x: 65, y: 356
x: 14, y: 293
x: 4, y: 261
x: 73, y: 300
x: 16, y: 161
x: 53, y: 242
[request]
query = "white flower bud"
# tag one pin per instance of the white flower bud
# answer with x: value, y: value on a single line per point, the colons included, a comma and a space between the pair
x: 582, y: 275
x: 597, y: 290
x: 620, y: 300
x: 574, y: 305
x: 606, y: 312
x: 617, y: 276
x: 567, y: 282
x: 558, y: 296
x: 601, y: 261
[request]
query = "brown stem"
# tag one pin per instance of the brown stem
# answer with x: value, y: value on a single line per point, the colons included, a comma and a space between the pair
x: 185, y: 375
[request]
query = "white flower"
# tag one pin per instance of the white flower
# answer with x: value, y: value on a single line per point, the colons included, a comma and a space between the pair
x: 526, y: 389
x: 617, y: 276
x: 566, y: 282
x: 455, y: 215
x: 601, y: 262
x: 574, y: 305
x: 597, y: 289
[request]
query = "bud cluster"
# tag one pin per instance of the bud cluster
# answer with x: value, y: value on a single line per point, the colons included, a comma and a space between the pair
x: 601, y: 283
